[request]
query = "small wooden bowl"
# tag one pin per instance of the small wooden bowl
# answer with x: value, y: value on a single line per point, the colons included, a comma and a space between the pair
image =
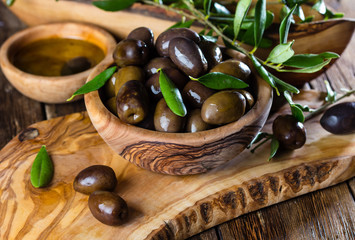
x: 178, y: 153
x: 51, y: 89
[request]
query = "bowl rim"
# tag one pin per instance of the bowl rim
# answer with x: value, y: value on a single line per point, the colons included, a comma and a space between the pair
x: 98, y: 112
x: 17, y: 37
x: 51, y: 89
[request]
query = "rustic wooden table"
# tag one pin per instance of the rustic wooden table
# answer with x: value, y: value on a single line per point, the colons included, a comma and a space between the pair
x: 324, y: 214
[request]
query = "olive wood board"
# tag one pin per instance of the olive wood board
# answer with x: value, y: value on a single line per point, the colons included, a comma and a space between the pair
x: 161, y: 206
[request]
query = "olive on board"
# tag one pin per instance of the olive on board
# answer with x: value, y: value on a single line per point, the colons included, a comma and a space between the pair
x: 94, y: 178
x: 195, y: 93
x: 177, y: 77
x: 163, y: 41
x: 212, y: 53
x: 340, y: 118
x: 159, y: 62
x: 195, y: 123
x: 132, y: 102
x: 75, y: 65
x: 187, y: 56
x: 131, y: 52
x: 234, y: 68
x: 290, y: 133
x: 108, y: 208
x: 144, y: 34
x: 165, y: 120
x: 126, y: 74
x: 223, y: 107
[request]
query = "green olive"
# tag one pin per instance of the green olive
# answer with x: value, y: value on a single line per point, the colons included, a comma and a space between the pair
x: 223, y: 107
x: 195, y: 123
x: 165, y: 120
x: 234, y: 68
x: 126, y: 74
x: 108, y: 208
x: 111, y: 105
x: 131, y: 52
x: 94, y: 178
x: 132, y: 102
x: 290, y: 133
x: 109, y: 87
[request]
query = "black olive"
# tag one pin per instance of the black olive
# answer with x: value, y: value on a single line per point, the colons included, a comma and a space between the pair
x: 93, y: 178
x: 131, y: 52
x: 339, y: 119
x: 290, y: 133
x: 108, y: 208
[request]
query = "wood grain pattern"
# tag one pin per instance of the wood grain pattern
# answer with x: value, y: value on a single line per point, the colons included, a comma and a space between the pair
x: 245, y: 184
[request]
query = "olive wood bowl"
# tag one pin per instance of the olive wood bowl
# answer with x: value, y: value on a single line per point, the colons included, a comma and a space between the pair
x: 178, y: 153
x: 51, y: 89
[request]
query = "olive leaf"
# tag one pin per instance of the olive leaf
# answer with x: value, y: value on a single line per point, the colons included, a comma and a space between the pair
x: 240, y: 13
x: 320, y: 7
x: 283, y: 86
x: 183, y: 24
x: 264, y: 73
x: 310, y: 69
x: 96, y: 83
x: 113, y: 5
x: 260, y: 136
x: 9, y: 2
x: 260, y: 21
x: 209, y: 38
x: 220, y: 81
x: 42, y: 169
x: 207, y: 6
x: 220, y: 9
x: 171, y: 94
x: 274, y: 147
x: 285, y: 25
x: 281, y: 53
x: 295, y: 109
x: 331, y: 95
x: 309, y: 60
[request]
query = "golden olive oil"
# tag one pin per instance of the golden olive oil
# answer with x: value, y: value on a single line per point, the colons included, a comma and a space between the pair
x: 47, y: 57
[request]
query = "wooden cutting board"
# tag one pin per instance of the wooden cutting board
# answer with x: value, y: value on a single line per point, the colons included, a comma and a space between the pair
x: 161, y: 206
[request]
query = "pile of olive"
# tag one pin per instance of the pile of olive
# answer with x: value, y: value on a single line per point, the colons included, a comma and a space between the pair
x: 99, y: 181
x: 133, y: 93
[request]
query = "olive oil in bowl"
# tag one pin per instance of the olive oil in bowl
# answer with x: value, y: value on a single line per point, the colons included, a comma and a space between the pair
x: 57, y: 56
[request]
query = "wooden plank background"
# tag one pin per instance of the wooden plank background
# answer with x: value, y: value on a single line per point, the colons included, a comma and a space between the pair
x: 324, y: 214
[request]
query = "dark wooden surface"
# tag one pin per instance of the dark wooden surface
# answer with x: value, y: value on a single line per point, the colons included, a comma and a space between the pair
x: 324, y: 214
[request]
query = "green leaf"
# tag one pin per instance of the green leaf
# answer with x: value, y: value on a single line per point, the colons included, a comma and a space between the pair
x: 260, y: 136
x: 311, y: 69
x: 299, y: 12
x: 183, y: 24
x: 309, y: 60
x: 320, y: 7
x: 209, y: 38
x: 42, y: 169
x: 171, y: 95
x: 260, y: 21
x: 283, y: 86
x: 263, y: 73
x: 113, y: 5
x: 220, y: 9
x: 96, y: 83
x: 9, y: 2
x: 274, y: 147
x: 331, y: 95
x: 307, y: 19
x: 219, y: 81
x: 207, y: 6
x: 240, y: 13
x: 281, y: 53
x: 304, y: 108
x: 285, y: 26
x: 297, y: 113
